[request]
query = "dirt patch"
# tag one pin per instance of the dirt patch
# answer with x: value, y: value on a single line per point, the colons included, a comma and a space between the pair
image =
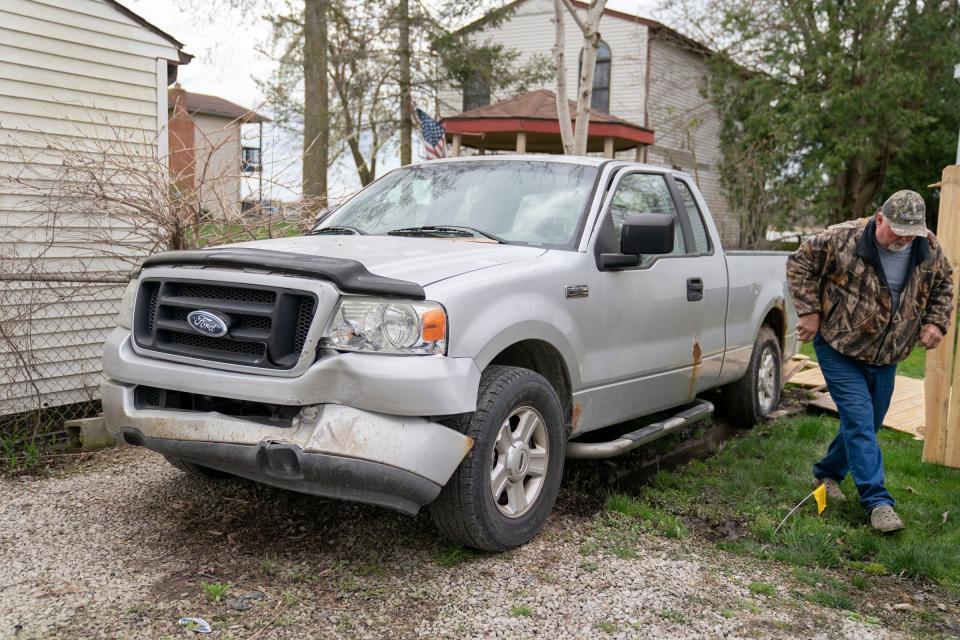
x: 729, y: 530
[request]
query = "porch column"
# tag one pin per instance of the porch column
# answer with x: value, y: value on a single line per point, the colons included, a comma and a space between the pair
x: 455, y: 150
x: 608, y: 147
x: 640, y: 153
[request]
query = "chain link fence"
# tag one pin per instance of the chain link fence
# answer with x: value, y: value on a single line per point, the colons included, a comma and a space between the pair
x: 52, y: 330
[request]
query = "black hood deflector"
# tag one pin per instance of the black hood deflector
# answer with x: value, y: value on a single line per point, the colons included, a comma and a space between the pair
x: 349, y: 276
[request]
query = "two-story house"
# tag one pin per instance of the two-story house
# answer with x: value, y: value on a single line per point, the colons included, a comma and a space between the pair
x: 646, y: 73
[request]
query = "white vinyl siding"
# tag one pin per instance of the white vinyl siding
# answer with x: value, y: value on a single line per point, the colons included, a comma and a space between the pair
x: 76, y: 75
x: 687, y: 127
x: 530, y: 31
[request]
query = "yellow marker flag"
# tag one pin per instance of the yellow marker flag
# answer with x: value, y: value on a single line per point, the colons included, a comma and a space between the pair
x: 820, y: 495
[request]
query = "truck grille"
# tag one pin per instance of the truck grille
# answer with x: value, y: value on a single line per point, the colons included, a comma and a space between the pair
x: 266, y: 326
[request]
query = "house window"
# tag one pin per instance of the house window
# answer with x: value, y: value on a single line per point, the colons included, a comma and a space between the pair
x: 601, y: 79
x: 251, y: 159
x: 600, y: 99
x: 476, y: 92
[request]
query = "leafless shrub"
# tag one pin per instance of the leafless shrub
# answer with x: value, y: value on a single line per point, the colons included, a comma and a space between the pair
x: 83, y: 211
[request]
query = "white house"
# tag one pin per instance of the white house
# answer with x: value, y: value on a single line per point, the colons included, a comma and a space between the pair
x: 646, y: 73
x: 79, y: 80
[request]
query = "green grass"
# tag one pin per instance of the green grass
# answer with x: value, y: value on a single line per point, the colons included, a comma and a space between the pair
x: 913, y: 367
x: 452, y: 555
x: 672, y: 616
x: 606, y: 626
x: 520, y: 612
x: 762, y: 588
x: 754, y: 481
x: 215, y: 591
x: 833, y: 598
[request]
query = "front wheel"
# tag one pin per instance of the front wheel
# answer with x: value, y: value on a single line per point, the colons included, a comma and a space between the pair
x: 754, y: 396
x: 501, y: 494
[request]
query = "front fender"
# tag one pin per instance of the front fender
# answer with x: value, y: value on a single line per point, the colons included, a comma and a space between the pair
x: 485, y: 330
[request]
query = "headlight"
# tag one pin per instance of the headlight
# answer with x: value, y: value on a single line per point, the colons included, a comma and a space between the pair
x: 387, y: 326
x: 125, y: 316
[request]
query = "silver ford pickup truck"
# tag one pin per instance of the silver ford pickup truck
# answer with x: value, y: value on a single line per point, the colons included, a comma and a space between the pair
x: 447, y: 336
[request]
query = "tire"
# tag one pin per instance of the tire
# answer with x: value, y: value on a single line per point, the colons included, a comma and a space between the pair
x: 198, y: 471
x: 753, y: 397
x: 526, y: 460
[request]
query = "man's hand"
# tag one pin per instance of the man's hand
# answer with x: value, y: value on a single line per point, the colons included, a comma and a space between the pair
x: 807, y: 326
x: 930, y: 336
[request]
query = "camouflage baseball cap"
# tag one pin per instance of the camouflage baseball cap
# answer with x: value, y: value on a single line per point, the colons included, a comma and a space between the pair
x: 906, y: 213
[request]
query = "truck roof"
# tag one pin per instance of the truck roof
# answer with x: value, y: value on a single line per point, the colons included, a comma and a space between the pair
x: 592, y: 161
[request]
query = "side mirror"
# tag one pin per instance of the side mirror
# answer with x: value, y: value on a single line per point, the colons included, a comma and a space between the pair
x: 642, y: 234
x: 646, y: 234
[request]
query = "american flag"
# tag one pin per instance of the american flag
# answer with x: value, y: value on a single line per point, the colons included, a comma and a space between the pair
x: 434, y: 141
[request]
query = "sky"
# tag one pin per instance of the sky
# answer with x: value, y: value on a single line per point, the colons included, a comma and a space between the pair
x: 226, y: 61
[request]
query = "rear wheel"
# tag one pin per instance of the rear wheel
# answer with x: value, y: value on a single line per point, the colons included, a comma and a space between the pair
x: 502, y: 493
x: 196, y: 470
x: 754, y: 396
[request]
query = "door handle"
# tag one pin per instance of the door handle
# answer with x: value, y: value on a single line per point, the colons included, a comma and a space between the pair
x: 694, y: 289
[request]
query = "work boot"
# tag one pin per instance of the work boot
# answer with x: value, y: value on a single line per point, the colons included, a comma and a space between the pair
x: 833, y: 489
x: 885, y: 520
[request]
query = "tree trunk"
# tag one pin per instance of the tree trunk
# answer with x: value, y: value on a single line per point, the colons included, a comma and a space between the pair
x: 856, y: 188
x: 585, y: 93
x: 316, y: 130
x: 406, y: 101
x: 591, y: 38
x: 563, y: 106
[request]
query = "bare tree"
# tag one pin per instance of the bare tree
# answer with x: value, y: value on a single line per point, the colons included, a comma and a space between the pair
x: 575, y: 141
x: 563, y: 105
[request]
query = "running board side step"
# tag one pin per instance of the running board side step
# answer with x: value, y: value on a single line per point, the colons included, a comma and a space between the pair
x: 700, y: 411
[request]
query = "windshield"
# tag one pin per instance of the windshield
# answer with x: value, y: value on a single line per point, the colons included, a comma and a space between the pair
x: 514, y: 201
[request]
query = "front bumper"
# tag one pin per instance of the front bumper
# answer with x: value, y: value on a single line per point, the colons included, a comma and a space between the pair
x: 329, y: 450
x: 396, y: 385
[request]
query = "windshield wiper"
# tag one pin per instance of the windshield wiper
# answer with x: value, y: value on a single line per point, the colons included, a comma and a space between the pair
x: 338, y: 230
x: 438, y: 231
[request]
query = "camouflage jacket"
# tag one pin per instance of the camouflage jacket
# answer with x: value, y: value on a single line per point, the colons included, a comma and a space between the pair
x: 838, y: 274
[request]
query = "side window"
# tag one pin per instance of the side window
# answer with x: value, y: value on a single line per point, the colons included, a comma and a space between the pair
x: 700, y: 236
x: 645, y: 193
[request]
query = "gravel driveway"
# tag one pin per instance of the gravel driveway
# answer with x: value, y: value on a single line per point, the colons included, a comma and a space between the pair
x: 118, y: 547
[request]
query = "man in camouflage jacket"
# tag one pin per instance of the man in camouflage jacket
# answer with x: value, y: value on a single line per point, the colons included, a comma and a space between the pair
x: 866, y: 291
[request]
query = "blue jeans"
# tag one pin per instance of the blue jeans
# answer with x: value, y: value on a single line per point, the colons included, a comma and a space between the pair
x: 862, y: 394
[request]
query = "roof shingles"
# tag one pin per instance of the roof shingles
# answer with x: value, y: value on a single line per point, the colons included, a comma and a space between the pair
x: 215, y: 106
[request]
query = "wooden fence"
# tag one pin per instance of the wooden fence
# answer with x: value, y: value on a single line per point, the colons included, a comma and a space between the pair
x: 942, y: 378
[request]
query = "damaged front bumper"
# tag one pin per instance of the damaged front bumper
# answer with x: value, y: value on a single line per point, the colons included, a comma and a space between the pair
x: 328, y: 450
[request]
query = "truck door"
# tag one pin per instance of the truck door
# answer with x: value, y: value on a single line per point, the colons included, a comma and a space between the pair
x: 657, y: 334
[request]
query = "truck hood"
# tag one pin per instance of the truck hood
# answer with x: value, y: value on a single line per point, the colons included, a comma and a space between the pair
x: 420, y: 260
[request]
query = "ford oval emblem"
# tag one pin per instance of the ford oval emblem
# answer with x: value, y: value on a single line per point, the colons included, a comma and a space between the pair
x: 207, y: 323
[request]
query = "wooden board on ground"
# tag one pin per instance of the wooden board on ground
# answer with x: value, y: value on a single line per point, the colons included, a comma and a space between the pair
x: 906, y: 412
x: 811, y: 377
x: 793, y: 366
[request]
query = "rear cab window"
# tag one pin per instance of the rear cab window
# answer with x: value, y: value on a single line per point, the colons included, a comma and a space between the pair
x: 701, y: 238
